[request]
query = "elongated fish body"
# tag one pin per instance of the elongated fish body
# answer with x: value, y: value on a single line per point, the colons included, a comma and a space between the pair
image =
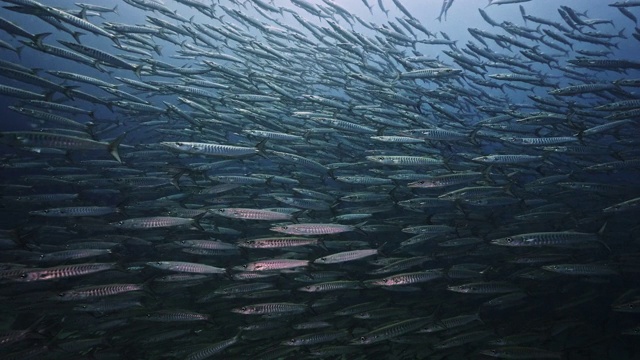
x: 543, y: 141
x: 449, y: 323
x: 174, y: 316
x: 508, y: 159
x: 272, y: 135
x: 278, y: 242
x: 78, y: 22
x: 210, y: 149
x: 581, y: 89
x: 152, y: 222
x: 181, y: 266
x: 408, y: 278
x: 57, y: 141
x: 553, y: 239
x: 101, y: 56
x: 272, y: 264
x: 391, y: 331
x: 340, y: 285
x: 206, y: 244
x: 251, y: 214
x: 405, y: 160
x: 430, y: 73
x: 623, y: 206
x: 491, y: 287
x: 313, y: 229
x: 92, y: 292
x: 271, y: 308
x: 316, y: 338
x: 401, y: 265
x: 346, y: 256
x: 76, y: 211
x: 19, y: 93
x: 302, y: 203
x: 211, y: 350
x: 581, y: 269
x: 62, y: 271
x: 73, y: 254
x: 446, y: 180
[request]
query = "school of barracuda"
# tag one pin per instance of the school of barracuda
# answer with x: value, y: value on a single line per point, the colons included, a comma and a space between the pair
x: 288, y: 180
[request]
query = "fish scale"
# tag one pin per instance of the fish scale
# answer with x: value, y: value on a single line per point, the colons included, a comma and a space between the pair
x: 408, y: 278
x: 63, y: 271
x: 98, y: 291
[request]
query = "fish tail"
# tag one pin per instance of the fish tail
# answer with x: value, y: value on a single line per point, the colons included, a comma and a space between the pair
x: 196, y: 221
x: 68, y: 91
x: 261, y: 148
x: 37, y: 38
x: 48, y: 96
x: 175, y: 180
x: 524, y: 14
x: 138, y: 70
x: 76, y: 35
x: 113, y: 147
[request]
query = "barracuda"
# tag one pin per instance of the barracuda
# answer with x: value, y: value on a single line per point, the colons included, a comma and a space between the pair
x: 37, y: 139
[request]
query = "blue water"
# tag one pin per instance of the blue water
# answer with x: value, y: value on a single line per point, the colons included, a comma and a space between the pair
x: 571, y: 316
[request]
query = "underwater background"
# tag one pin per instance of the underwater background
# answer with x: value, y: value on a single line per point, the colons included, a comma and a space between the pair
x: 374, y: 179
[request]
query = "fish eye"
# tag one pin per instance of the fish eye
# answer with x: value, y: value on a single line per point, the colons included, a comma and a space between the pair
x: 45, y: 211
x: 179, y: 144
x: 363, y: 338
x: 243, y: 308
x: 509, y: 239
x: 323, y: 258
x: 183, y: 242
x: 61, y: 294
x: 120, y: 222
x: 24, y: 275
